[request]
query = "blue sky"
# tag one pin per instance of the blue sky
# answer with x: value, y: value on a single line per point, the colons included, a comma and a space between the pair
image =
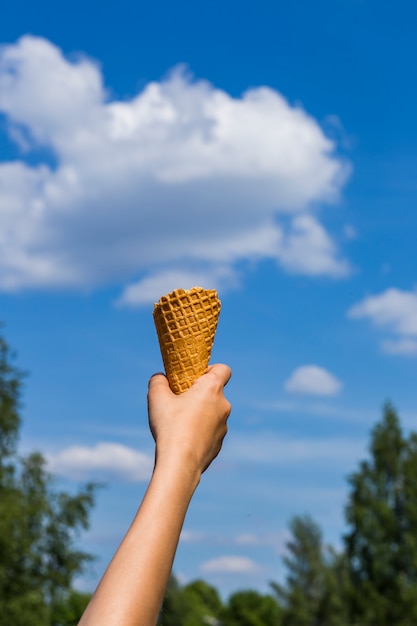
x: 266, y: 150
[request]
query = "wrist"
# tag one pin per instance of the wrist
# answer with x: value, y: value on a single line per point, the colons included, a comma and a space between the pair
x: 180, y: 468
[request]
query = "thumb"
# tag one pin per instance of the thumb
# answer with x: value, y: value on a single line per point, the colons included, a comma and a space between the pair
x: 158, y: 385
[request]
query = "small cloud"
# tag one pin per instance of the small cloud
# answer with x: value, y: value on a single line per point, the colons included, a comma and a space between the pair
x: 274, y: 540
x: 335, y: 130
x: 269, y: 448
x: 405, y: 346
x: 349, y: 232
x: 230, y: 565
x: 247, y: 539
x: 191, y: 536
x: 321, y: 409
x: 151, y: 288
x: 104, y: 461
x: 395, y: 311
x: 313, y: 380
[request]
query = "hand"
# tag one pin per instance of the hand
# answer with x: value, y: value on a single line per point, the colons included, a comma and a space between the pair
x: 189, y: 428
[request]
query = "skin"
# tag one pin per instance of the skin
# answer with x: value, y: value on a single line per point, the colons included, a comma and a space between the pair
x: 188, y: 430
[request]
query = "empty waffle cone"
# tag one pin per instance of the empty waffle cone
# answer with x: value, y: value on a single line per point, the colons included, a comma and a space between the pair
x: 186, y: 323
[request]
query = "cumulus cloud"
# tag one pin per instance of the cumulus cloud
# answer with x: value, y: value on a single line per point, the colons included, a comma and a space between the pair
x: 104, y: 461
x: 395, y: 311
x: 313, y: 380
x: 180, y: 176
x: 230, y: 565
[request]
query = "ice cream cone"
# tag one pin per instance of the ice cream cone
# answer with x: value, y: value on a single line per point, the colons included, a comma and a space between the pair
x: 186, y: 323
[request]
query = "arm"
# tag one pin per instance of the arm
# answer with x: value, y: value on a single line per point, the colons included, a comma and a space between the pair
x: 188, y: 430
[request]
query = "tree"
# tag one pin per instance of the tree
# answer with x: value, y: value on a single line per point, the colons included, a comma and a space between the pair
x: 333, y: 609
x: 381, y: 544
x: 204, y: 603
x: 196, y: 604
x: 38, y: 525
x: 301, y: 596
x: 250, y: 608
x: 73, y: 605
x: 174, y: 606
x: 313, y: 590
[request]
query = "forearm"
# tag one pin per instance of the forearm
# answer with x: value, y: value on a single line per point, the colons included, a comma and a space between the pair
x: 188, y: 430
x: 133, y: 586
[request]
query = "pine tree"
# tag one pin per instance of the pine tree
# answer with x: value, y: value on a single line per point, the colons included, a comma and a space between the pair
x: 301, y: 595
x: 313, y: 593
x: 381, y: 544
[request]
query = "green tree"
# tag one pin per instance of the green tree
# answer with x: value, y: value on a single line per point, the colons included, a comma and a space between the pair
x: 38, y: 525
x: 174, y: 606
x: 71, y: 607
x: 250, y: 608
x: 196, y: 604
x: 381, y: 544
x: 333, y: 610
x: 204, y: 604
x: 313, y: 591
x: 302, y: 593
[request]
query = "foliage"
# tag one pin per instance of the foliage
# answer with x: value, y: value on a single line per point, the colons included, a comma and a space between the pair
x: 38, y: 525
x: 72, y: 605
x: 199, y: 604
x: 301, y: 596
x: 196, y: 604
x: 10, y: 387
x: 250, y: 608
x: 316, y: 574
x: 334, y: 600
x: 381, y: 545
x: 204, y: 602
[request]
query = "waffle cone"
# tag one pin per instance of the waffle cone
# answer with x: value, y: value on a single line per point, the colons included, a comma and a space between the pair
x: 186, y: 323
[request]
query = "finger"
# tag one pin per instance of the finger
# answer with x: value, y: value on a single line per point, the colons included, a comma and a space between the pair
x: 155, y: 376
x: 221, y: 371
x: 158, y: 383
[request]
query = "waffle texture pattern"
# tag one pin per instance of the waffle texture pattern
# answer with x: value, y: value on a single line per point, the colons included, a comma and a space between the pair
x: 186, y: 323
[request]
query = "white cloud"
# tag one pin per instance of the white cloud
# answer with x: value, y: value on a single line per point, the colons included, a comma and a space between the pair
x: 396, y: 312
x: 230, y: 565
x: 313, y: 380
x: 150, y: 289
x: 181, y: 176
x: 104, y: 461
